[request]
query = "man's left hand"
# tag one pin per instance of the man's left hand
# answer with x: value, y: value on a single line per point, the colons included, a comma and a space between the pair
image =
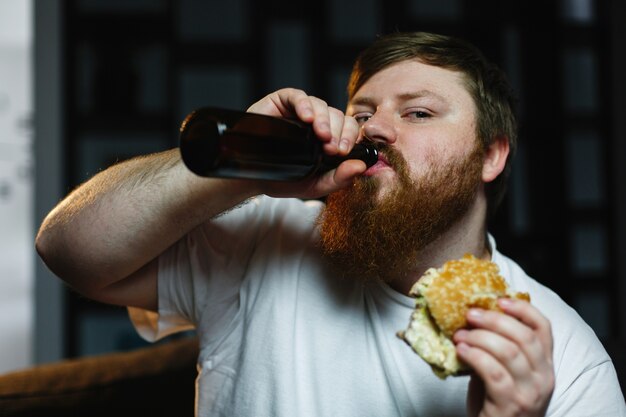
x: 511, y: 355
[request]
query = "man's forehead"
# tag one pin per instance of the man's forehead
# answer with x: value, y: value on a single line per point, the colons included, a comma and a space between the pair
x: 411, y: 79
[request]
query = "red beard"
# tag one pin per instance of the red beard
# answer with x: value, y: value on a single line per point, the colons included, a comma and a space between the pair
x: 381, y: 240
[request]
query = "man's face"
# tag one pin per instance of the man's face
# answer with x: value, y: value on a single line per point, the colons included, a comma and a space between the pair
x: 422, y: 111
x: 426, y: 179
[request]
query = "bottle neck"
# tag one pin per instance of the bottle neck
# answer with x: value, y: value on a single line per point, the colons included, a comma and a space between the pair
x: 364, y: 151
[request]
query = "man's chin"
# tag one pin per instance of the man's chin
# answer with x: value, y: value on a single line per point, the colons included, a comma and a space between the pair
x: 381, y: 184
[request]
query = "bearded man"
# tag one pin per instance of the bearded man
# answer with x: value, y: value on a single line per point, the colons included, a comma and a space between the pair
x: 296, y: 303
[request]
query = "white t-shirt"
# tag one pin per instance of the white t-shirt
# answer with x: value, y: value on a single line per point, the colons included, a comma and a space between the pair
x: 281, y: 335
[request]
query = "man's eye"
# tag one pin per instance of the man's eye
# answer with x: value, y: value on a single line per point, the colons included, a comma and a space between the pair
x: 362, y: 118
x: 419, y: 114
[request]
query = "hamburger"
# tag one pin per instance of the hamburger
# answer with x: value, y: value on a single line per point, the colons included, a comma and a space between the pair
x: 442, y: 298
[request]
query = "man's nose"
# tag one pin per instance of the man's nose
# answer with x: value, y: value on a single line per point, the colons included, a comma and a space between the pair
x: 379, y: 128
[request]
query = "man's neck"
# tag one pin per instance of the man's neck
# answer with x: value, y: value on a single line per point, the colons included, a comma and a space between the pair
x: 468, y: 235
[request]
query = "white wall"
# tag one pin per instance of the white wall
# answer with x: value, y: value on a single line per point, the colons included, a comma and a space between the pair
x: 16, y: 186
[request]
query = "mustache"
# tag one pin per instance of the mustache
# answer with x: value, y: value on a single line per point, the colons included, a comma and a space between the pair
x: 392, y: 157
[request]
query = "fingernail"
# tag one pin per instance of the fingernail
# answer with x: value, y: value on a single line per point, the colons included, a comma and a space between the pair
x: 475, y: 313
x: 460, y: 334
x: 343, y: 145
x: 462, y: 348
x: 505, y: 302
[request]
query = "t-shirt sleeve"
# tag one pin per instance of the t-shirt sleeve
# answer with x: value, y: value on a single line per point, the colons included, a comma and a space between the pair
x: 595, y: 392
x: 586, y: 384
x: 199, y: 277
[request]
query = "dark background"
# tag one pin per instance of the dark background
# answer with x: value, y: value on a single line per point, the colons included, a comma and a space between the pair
x: 131, y: 70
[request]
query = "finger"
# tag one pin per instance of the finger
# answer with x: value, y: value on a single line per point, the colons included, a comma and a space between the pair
x: 322, y: 120
x: 342, y: 176
x: 531, y: 316
x: 503, y: 393
x: 337, y: 119
x: 287, y: 102
x: 504, y: 350
x: 499, y: 384
x: 349, y: 135
x: 292, y: 101
x: 518, y: 332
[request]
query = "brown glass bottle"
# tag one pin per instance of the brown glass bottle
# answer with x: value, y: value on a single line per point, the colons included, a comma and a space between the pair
x: 225, y: 143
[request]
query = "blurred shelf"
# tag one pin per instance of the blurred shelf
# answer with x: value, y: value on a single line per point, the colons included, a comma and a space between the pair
x: 128, y: 29
x: 113, y: 122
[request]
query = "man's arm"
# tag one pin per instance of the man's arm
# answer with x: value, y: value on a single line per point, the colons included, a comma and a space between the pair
x: 104, y: 238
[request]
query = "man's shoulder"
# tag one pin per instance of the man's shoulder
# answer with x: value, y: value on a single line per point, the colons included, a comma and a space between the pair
x: 571, y: 333
x: 548, y: 301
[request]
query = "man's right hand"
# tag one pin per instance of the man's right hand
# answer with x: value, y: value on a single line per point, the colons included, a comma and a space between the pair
x: 338, y: 132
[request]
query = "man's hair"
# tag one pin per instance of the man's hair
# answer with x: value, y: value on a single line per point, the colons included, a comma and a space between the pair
x: 485, y: 82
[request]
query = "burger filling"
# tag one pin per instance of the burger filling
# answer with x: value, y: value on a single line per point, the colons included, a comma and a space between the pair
x: 425, y: 337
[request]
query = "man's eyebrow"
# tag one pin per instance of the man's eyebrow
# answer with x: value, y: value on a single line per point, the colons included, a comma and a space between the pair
x: 363, y: 101
x: 369, y: 101
x: 419, y: 94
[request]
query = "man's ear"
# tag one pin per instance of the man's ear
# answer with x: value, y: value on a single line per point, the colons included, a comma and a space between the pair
x: 495, y: 158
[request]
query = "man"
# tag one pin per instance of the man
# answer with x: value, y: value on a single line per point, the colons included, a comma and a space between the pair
x: 296, y: 305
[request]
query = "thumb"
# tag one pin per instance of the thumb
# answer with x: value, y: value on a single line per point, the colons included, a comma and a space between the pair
x: 347, y: 171
x: 475, y: 396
